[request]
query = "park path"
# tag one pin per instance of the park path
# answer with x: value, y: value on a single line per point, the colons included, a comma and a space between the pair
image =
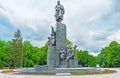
x: 113, y: 75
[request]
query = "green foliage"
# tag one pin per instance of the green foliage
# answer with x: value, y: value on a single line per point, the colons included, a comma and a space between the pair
x: 4, y: 48
x: 34, y: 55
x: 15, y: 52
x: 85, y: 59
x: 43, y: 55
x: 27, y: 54
x: 110, y: 56
x: 69, y: 43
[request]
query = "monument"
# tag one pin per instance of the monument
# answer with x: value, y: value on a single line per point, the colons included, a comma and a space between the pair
x: 60, y: 57
x: 59, y: 54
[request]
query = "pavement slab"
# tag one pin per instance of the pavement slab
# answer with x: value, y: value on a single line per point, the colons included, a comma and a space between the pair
x: 112, y: 75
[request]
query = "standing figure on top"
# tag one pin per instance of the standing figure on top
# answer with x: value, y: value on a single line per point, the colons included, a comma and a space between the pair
x: 59, y: 11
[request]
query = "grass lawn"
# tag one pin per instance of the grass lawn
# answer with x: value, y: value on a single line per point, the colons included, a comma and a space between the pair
x: 106, y: 71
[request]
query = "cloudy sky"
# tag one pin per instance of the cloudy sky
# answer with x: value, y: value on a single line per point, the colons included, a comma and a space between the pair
x: 91, y: 24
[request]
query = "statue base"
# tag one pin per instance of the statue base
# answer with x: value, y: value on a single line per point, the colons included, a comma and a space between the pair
x: 50, y: 70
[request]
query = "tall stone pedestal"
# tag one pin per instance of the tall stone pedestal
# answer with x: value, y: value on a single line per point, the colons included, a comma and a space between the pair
x: 53, y: 57
x: 60, y: 41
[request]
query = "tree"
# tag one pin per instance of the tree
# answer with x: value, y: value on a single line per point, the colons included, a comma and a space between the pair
x: 43, y: 55
x: 110, y: 56
x: 4, y: 47
x: 16, y: 50
x: 85, y: 59
x: 34, y: 55
x: 69, y: 43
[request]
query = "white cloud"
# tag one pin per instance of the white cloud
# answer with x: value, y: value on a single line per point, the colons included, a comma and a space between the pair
x: 93, y: 53
x: 88, y: 21
x: 87, y: 11
x: 115, y: 36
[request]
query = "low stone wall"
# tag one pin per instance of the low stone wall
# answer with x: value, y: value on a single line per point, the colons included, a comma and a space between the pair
x: 50, y: 69
x: 41, y: 68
